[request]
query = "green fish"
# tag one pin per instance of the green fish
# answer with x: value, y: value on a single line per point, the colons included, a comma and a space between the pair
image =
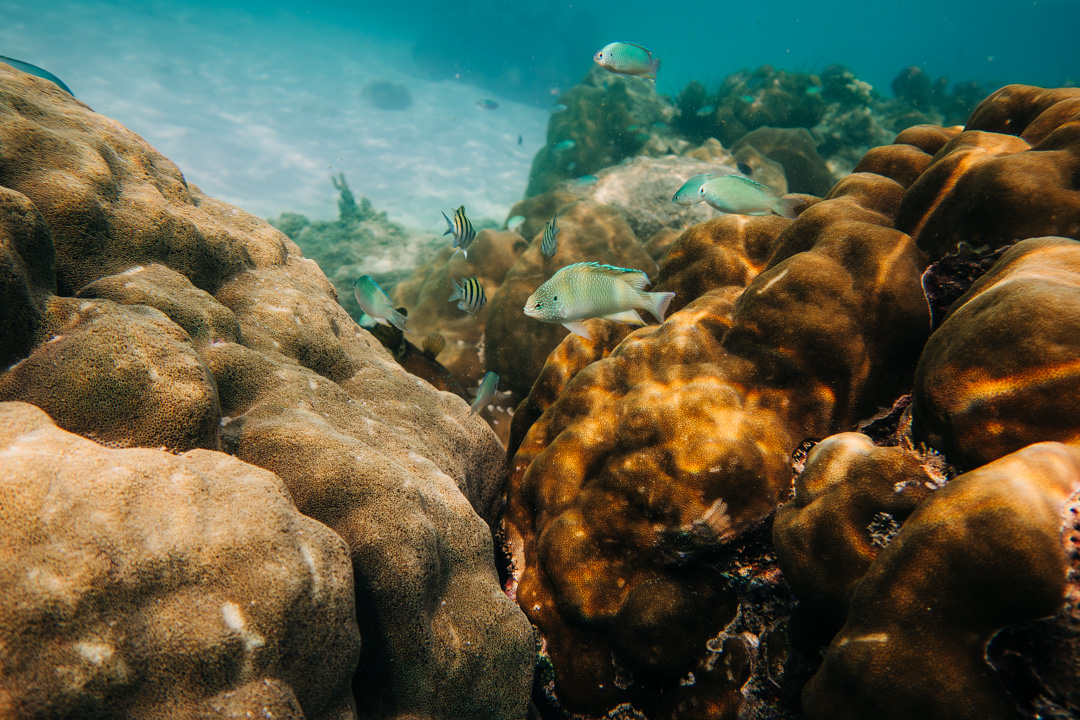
x: 588, y: 290
x: 373, y: 300
x: 485, y: 392
x: 627, y: 58
x: 689, y: 193
x: 743, y: 196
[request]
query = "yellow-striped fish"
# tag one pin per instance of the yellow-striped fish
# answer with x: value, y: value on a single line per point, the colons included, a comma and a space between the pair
x: 589, y: 290
x: 471, y: 294
x: 547, y: 245
x: 462, y: 229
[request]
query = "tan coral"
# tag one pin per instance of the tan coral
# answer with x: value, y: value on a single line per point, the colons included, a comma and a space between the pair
x: 140, y: 584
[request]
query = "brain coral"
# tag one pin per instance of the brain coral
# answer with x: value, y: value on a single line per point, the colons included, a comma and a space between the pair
x: 1002, y: 372
x: 985, y: 551
x: 218, y: 324
x: 139, y: 584
x: 660, y: 453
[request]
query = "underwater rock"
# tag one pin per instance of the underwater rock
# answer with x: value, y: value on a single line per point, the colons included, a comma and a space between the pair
x: 608, y: 117
x: 137, y: 583
x: 671, y: 450
x: 796, y: 150
x: 27, y: 274
x: 1009, y: 175
x: 398, y: 469
x: 515, y: 346
x: 387, y: 95
x: 999, y: 374
x: 987, y: 550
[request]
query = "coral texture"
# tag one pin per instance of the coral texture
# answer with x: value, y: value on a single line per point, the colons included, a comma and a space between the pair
x: 216, y: 323
x: 139, y: 584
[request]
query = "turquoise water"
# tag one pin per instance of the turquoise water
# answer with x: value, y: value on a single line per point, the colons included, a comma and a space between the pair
x: 259, y: 103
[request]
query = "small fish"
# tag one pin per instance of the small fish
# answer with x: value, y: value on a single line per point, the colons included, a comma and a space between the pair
x: 586, y: 180
x: 373, y: 300
x: 626, y: 58
x: 471, y: 294
x: 743, y: 196
x: 587, y: 290
x: 556, y: 109
x: 433, y: 344
x: 632, y: 128
x: 37, y: 72
x: 689, y: 193
x: 515, y: 222
x: 487, y: 104
x: 485, y: 392
x: 748, y: 98
x: 462, y: 229
x: 565, y: 145
x: 547, y: 245
x: 520, y: 139
x: 705, y: 111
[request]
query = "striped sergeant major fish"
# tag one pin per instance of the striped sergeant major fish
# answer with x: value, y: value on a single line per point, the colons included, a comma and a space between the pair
x: 462, y: 230
x: 471, y: 294
x: 547, y: 245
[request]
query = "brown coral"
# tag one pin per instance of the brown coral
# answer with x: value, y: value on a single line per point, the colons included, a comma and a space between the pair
x: 983, y: 552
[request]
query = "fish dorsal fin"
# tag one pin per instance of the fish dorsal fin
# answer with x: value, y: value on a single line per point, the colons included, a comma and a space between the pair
x: 639, y: 46
x: 636, y: 279
x: 764, y: 188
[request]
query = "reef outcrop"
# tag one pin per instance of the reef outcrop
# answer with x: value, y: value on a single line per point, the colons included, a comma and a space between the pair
x: 161, y: 316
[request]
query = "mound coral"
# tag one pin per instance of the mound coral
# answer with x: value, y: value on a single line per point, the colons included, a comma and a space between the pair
x: 137, y: 583
x: 197, y: 319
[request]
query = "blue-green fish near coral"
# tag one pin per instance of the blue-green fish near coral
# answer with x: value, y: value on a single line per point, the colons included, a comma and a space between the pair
x: 588, y: 290
x: 743, y: 196
x: 373, y: 300
x: 485, y: 392
x: 689, y: 193
x: 471, y: 294
x: 462, y: 230
x: 547, y: 244
x: 627, y: 58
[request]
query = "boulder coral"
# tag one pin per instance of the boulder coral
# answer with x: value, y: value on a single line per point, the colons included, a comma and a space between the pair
x: 151, y: 314
x: 993, y: 547
x: 141, y: 584
x: 654, y: 458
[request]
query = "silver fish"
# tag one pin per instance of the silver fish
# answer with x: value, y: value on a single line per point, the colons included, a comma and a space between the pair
x: 485, y: 392
x: 373, y: 300
x: 547, y: 244
x: 471, y: 294
x: 743, y: 196
x: 588, y: 290
x: 462, y: 230
x: 627, y: 58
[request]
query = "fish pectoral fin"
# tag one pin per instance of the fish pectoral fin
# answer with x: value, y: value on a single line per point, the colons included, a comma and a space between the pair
x: 627, y: 316
x: 578, y: 328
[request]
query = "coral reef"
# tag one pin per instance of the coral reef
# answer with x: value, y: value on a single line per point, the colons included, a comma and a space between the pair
x: 273, y: 363
x: 136, y: 583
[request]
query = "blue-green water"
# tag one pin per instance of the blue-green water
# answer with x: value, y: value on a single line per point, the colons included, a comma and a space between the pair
x: 259, y: 102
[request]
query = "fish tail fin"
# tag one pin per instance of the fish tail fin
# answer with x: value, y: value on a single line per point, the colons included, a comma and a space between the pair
x: 449, y: 225
x: 457, y: 290
x: 654, y: 65
x: 785, y: 207
x: 658, y: 303
x: 398, y: 320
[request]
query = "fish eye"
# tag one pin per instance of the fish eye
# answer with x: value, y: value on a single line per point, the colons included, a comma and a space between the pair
x: 554, y: 298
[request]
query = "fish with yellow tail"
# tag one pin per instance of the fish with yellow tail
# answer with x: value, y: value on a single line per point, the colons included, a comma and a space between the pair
x: 462, y: 230
x: 742, y: 196
x: 373, y: 300
x: 485, y: 392
x: 627, y: 58
x: 591, y: 290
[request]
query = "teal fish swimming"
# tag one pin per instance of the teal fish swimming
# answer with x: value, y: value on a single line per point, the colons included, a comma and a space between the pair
x: 547, y: 244
x: 37, y: 72
x: 705, y: 111
x: 565, y: 145
x: 462, y: 230
x: 487, y: 104
x: 485, y: 392
x: 743, y: 196
x: 471, y: 294
x: 689, y: 193
x: 373, y: 300
x: 627, y: 58
x: 588, y: 290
